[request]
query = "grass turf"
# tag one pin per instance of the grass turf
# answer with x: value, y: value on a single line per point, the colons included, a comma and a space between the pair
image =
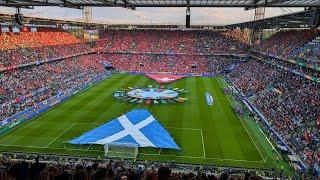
x: 206, y: 134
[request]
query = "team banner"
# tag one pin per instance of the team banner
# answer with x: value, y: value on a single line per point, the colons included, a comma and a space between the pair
x: 151, y: 95
x: 164, y: 78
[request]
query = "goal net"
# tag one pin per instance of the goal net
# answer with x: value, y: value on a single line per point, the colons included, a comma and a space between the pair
x: 121, y: 150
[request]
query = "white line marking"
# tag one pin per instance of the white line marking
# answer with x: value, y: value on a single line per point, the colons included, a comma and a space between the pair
x: 203, y: 149
x: 264, y: 159
x: 200, y: 157
x: 193, y: 129
x: 158, y: 154
x: 191, y: 157
x: 87, y: 123
x: 16, y: 131
x: 89, y: 147
x: 32, y: 120
x: 269, y: 142
x: 60, y: 134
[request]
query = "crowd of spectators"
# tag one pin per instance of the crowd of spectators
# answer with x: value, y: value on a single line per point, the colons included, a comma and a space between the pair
x: 172, y: 51
x: 15, y: 57
x: 175, y: 42
x: 282, y: 43
x: 43, y: 37
x: 296, y: 67
x: 309, y: 52
x: 177, y: 64
x: 49, y: 168
x: 47, y: 43
x: 291, y: 104
x: 24, y: 87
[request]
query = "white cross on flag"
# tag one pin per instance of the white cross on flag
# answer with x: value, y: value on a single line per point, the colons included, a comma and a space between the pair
x: 135, y: 127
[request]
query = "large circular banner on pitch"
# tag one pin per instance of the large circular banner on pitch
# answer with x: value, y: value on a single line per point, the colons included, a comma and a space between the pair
x: 151, y: 95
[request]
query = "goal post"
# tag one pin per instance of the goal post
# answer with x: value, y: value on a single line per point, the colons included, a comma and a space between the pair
x: 121, y: 150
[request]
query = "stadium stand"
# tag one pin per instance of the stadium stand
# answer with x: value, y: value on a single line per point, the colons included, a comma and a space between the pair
x: 25, y: 87
x: 176, y: 64
x: 290, y: 102
x: 48, y: 167
x: 44, y: 37
x: 179, y: 52
x: 309, y: 52
x: 174, y: 42
x: 14, y: 57
x: 285, y: 41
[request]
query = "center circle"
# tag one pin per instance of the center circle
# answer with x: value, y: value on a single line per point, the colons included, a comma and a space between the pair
x: 152, y: 93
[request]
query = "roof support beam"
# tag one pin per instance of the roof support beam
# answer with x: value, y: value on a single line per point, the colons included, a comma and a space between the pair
x: 248, y: 4
x: 127, y: 4
x: 274, y: 2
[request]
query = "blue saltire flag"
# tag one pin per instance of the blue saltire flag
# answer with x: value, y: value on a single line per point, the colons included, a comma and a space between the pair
x: 135, y: 127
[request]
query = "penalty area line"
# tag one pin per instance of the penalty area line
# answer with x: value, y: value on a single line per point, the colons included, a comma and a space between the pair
x: 200, y: 157
x: 148, y: 154
x: 60, y: 134
x: 201, y: 133
x: 193, y: 129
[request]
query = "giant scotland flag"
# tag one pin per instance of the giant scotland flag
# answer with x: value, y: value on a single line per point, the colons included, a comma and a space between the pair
x: 135, y: 127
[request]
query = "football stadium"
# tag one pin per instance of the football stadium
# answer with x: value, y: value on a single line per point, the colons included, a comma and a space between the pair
x: 94, y: 100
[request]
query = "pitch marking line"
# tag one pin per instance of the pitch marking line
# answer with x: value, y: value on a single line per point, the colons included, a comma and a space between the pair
x: 263, y: 158
x: 89, y: 147
x: 193, y: 129
x: 204, y: 150
x: 9, y: 135
x: 31, y: 121
x: 195, y: 157
x: 278, y: 154
x: 61, y: 134
x: 201, y: 133
x: 88, y: 123
x: 70, y: 149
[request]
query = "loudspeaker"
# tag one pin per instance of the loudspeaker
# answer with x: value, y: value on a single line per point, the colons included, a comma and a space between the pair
x: 188, y: 21
x: 19, y: 18
x: 315, y: 19
x: 188, y: 12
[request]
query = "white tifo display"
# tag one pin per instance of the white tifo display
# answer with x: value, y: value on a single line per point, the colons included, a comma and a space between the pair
x: 121, y: 150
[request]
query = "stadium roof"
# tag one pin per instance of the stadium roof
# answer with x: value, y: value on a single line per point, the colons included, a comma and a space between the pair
x: 162, y: 3
x: 9, y: 18
x: 294, y: 20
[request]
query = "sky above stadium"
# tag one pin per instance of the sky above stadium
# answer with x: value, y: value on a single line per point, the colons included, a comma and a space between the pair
x: 212, y: 16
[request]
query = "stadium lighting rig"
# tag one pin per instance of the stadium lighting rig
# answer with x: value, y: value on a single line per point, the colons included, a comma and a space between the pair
x: 188, y: 13
x: 18, y: 17
x: 315, y: 20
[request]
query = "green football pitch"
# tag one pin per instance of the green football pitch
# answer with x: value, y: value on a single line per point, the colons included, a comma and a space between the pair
x: 206, y: 134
